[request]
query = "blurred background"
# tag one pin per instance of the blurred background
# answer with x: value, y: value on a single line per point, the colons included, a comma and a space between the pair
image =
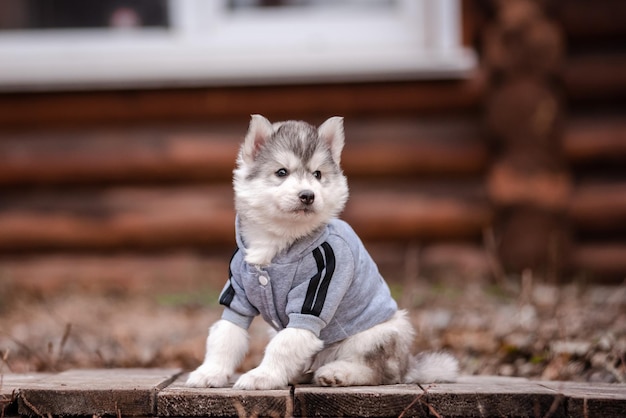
x: 486, y: 143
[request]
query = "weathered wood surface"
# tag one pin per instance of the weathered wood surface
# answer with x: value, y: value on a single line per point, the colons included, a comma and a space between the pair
x: 591, y: 400
x: 150, y: 392
x: 129, y: 392
x: 180, y: 401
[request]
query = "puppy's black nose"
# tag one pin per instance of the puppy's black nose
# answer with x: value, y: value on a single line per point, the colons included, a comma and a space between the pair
x: 307, y: 197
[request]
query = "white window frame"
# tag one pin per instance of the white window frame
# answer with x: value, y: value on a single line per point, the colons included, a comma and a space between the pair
x: 209, y: 45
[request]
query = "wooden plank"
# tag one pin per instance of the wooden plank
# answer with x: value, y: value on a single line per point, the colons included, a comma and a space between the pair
x: 495, y: 396
x: 10, y: 386
x: 157, y: 218
x: 360, y: 401
x: 471, y: 396
x: 403, y: 146
x: 128, y: 392
x: 236, y: 103
x: 592, y: 400
x: 137, y: 392
x: 180, y: 401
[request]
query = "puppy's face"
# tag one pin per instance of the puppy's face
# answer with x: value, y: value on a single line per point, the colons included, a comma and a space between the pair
x: 288, y: 174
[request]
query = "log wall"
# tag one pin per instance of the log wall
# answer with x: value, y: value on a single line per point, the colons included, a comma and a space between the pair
x: 531, y: 147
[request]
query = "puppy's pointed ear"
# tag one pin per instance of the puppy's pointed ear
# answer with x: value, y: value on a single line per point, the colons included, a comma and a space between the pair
x: 331, y: 131
x: 259, y: 132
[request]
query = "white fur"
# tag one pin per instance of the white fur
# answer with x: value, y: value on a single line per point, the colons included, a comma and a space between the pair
x: 269, y: 214
x: 347, y: 362
x: 287, y: 356
x: 272, y: 218
x: 433, y: 367
x: 226, y: 346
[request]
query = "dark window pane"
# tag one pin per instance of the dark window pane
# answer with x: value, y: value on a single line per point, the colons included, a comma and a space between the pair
x: 80, y: 14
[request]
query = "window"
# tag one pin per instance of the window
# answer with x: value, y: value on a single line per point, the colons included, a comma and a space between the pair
x: 117, y: 43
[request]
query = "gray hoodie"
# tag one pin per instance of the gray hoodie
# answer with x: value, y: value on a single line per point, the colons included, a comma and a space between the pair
x: 326, y: 283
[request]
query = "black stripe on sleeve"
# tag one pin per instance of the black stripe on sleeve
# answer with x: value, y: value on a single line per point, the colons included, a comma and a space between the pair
x: 316, y: 292
x: 330, y: 270
x: 227, y: 296
x: 313, y: 282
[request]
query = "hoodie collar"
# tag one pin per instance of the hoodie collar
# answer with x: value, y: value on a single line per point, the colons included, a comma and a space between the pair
x: 293, y: 253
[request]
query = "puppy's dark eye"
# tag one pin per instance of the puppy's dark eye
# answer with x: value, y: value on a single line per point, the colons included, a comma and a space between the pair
x: 282, y: 172
x: 317, y: 174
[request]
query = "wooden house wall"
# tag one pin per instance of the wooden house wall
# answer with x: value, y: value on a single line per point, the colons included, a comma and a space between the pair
x: 145, y: 175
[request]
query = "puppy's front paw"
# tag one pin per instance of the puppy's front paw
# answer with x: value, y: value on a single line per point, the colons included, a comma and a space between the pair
x: 207, y: 377
x: 259, y: 379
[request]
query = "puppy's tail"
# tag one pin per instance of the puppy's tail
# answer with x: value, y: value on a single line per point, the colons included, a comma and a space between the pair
x: 435, y: 367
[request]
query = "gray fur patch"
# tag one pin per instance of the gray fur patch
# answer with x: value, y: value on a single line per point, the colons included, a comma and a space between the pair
x: 388, y: 361
x: 298, y: 138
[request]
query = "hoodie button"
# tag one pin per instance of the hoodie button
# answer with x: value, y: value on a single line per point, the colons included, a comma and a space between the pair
x: 263, y: 280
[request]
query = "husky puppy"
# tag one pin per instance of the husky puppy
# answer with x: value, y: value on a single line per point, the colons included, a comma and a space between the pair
x: 307, y: 274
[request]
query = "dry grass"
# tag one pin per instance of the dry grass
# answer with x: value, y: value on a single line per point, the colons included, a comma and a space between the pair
x: 513, y: 327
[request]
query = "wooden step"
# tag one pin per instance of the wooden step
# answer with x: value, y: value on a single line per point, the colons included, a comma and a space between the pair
x: 207, y: 153
x: 200, y: 216
x: 161, y: 392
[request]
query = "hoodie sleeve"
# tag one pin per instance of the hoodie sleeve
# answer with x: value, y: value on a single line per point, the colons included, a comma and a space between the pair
x: 237, y: 307
x: 313, y: 303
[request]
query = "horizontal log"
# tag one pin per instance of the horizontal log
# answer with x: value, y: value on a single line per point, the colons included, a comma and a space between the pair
x: 187, y: 153
x: 597, y: 76
x: 407, y: 146
x: 236, y: 103
x: 152, y: 218
x: 127, y: 155
x: 510, y: 186
x: 600, y: 260
x: 385, y: 212
x: 592, y: 21
x: 597, y: 139
x: 599, y: 207
x: 117, y: 273
x: 180, y: 272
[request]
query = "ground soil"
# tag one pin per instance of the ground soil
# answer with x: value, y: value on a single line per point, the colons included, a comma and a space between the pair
x: 513, y: 326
